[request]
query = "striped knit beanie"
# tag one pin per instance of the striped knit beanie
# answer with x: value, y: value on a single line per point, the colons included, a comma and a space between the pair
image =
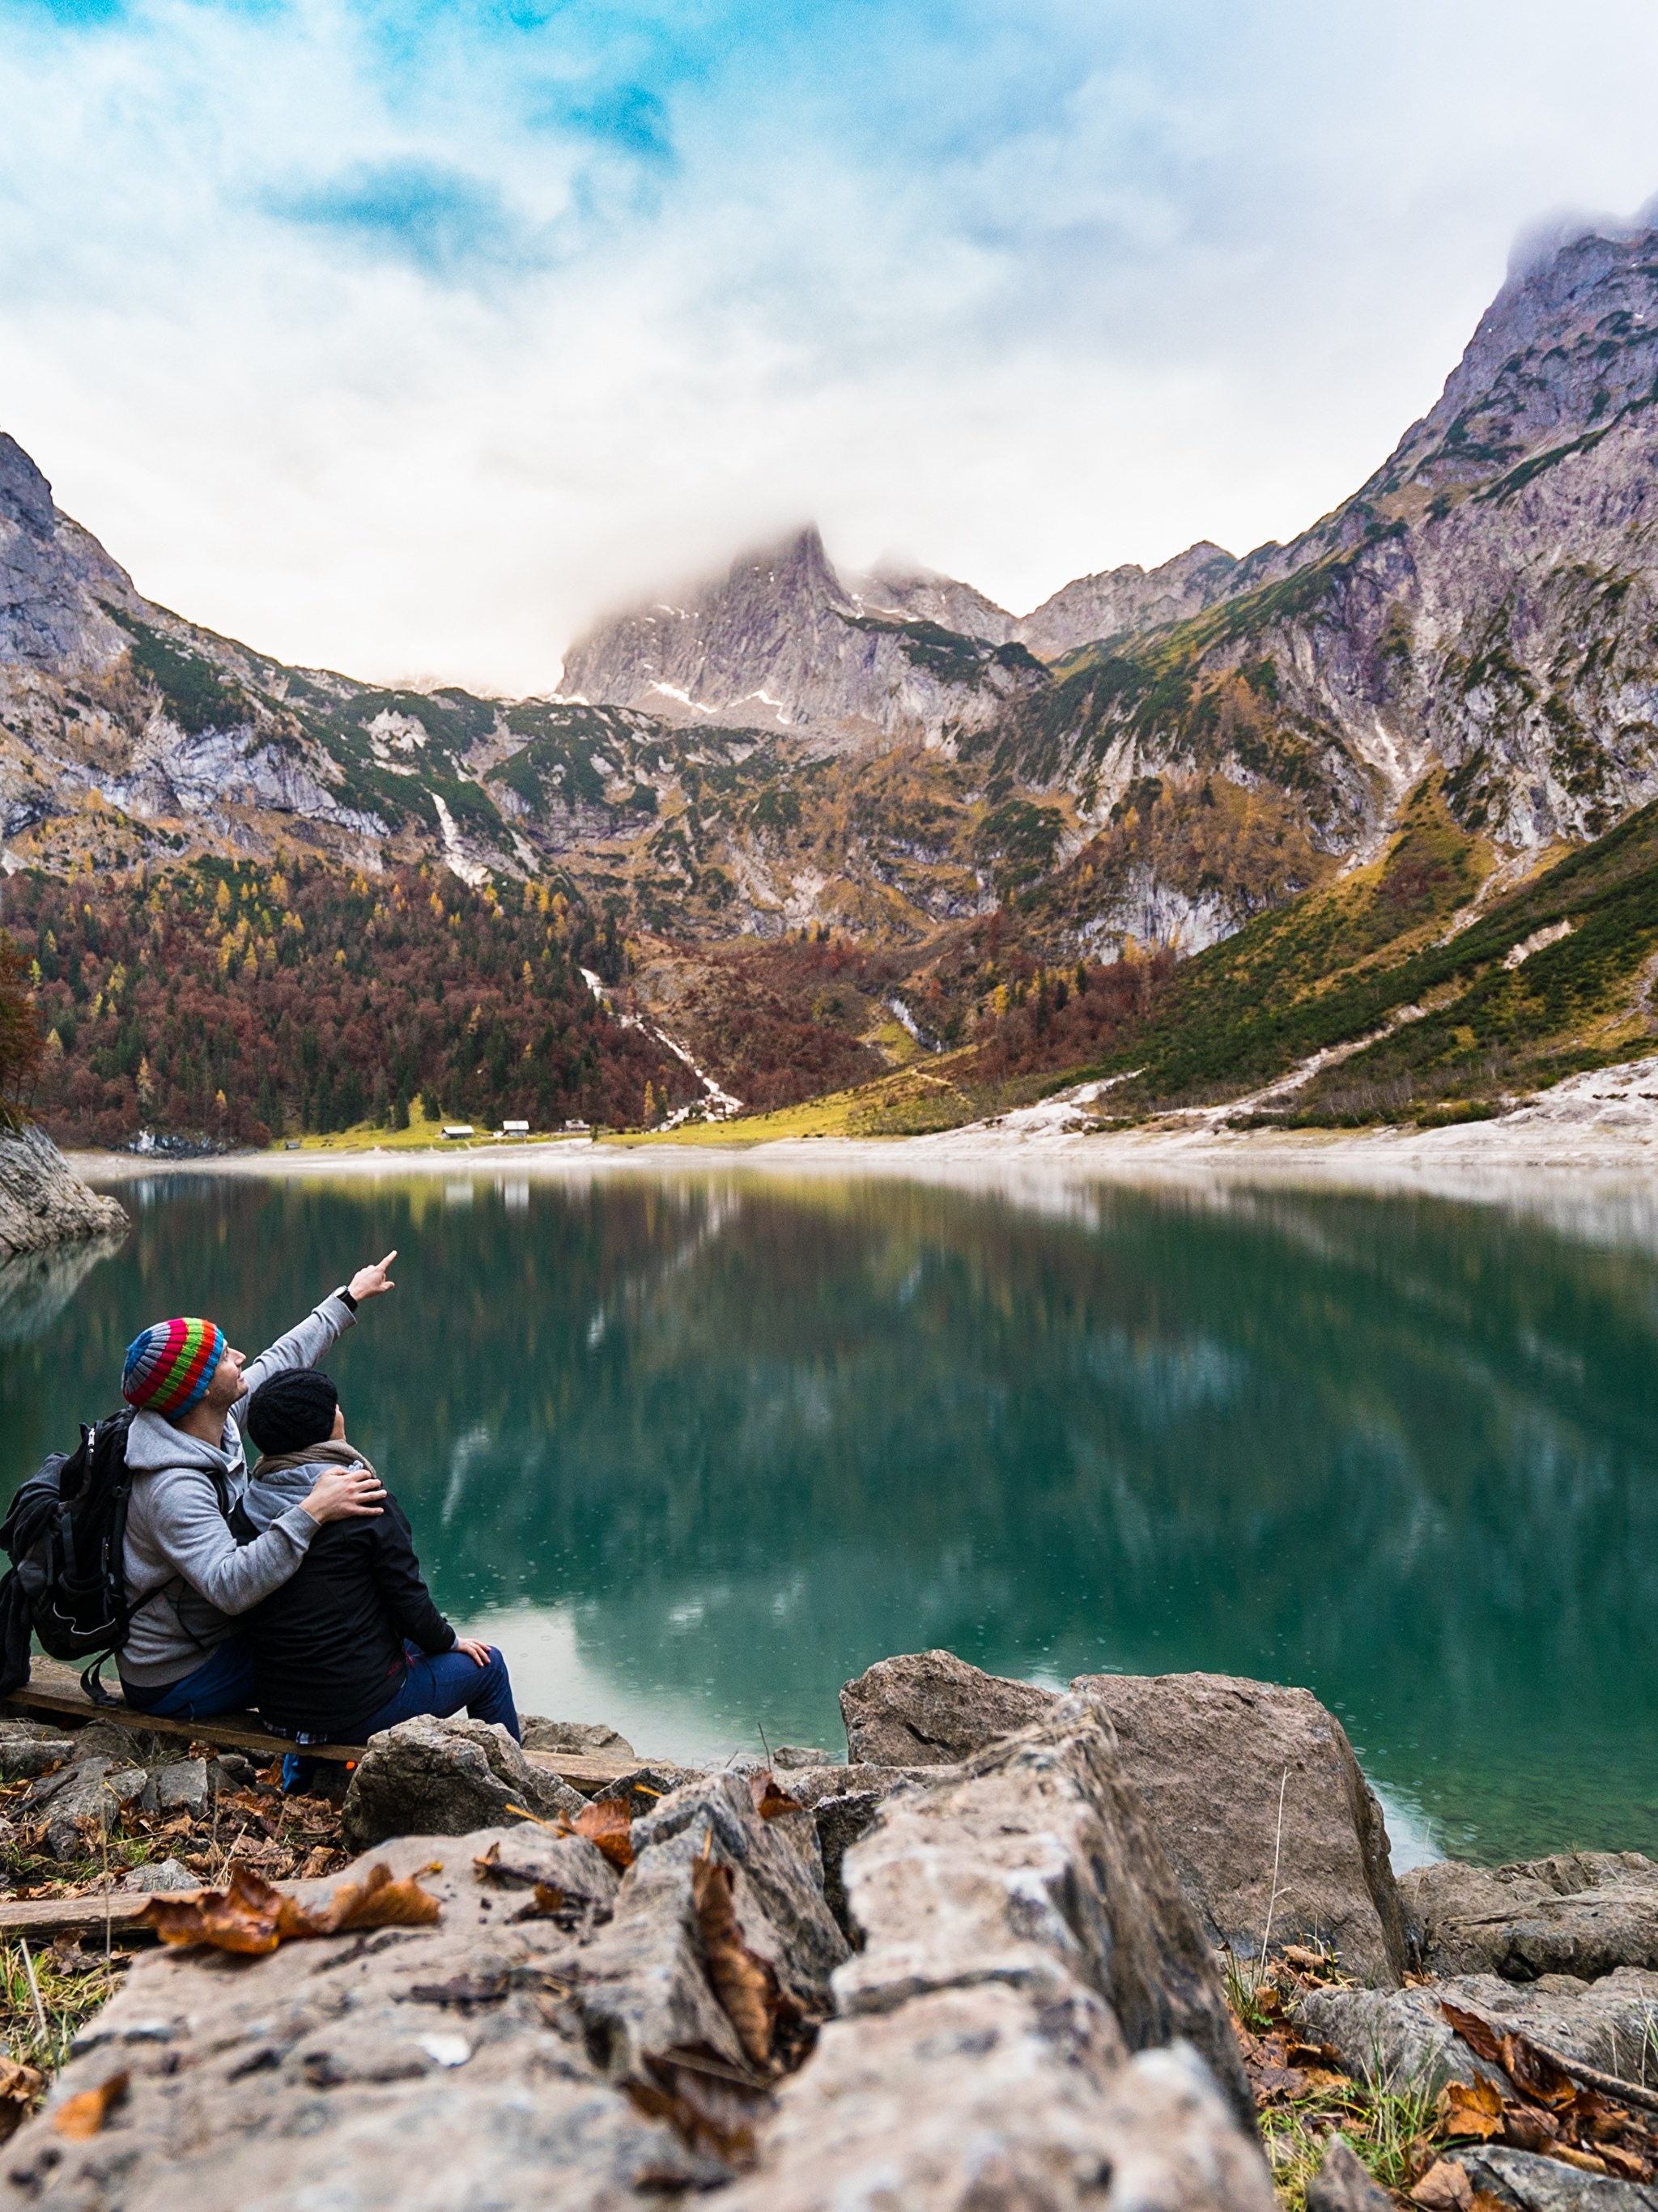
x: 169, y: 1367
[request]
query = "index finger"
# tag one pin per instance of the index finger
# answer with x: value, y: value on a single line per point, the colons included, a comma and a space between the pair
x: 390, y: 1257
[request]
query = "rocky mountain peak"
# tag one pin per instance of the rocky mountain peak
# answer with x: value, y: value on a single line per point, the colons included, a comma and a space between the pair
x: 1129, y: 598
x: 25, y: 495
x: 779, y: 643
x: 1564, y: 348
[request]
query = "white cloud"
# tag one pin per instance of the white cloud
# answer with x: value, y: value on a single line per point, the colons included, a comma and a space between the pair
x: 344, y: 347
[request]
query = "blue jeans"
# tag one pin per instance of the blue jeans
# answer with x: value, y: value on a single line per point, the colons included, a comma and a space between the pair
x: 443, y: 1685
x: 223, y: 1683
x: 439, y: 1685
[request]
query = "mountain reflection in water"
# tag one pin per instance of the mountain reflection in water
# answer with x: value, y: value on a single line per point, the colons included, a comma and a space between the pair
x: 696, y: 1450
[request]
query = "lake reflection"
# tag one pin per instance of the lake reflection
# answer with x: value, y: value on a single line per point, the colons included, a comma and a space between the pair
x: 696, y: 1451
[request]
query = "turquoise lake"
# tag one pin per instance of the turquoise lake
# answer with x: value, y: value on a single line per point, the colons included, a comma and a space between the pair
x: 695, y: 1448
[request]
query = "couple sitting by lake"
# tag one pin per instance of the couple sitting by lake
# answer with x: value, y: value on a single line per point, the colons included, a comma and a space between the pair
x: 295, y: 1587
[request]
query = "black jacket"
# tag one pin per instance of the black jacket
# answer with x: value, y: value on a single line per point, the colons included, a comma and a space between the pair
x: 328, y: 1644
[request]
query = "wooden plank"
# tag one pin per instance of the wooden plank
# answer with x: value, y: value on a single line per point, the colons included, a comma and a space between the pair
x: 585, y: 1770
x: 53, y: 1688
x: 60, y: 1915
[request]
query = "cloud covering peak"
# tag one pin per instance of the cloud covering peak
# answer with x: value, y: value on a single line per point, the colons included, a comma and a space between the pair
x: 415, y: 336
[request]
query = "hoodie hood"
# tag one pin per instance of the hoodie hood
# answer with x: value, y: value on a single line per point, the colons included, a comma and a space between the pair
x: 283, y: 1480
x: 277, y: 1489
x: 153, y: 1445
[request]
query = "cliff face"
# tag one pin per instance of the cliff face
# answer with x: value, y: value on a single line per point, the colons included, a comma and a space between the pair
x: 780, y: 644
x: 1486, y: 604
x: 42, y: 1203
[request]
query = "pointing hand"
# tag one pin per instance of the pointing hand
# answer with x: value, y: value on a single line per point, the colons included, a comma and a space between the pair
x: 373, y: 1282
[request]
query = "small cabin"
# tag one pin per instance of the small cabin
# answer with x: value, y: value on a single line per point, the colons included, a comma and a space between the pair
x: 514, y: 1129
x: 456, y: 1129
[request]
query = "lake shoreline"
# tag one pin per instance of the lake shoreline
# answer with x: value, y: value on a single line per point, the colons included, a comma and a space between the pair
x: 1604, y: 1124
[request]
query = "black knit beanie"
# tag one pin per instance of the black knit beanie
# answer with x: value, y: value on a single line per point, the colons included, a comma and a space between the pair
x: 292, y: 1411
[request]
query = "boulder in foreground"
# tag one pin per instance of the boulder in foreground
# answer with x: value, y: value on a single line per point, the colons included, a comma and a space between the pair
x: 1033, y: 2021
x: 444, y: 1778
x: 1209, y: 1754
x: 932, y: 1709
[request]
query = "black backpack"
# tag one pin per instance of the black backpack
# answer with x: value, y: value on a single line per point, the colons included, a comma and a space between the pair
x: 66, y: 1533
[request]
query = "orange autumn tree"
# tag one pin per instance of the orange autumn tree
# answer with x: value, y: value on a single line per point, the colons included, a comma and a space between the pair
x: 19, y: 1034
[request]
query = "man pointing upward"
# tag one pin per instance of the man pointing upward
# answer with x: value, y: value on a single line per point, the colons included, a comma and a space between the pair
x: 187, y: 1578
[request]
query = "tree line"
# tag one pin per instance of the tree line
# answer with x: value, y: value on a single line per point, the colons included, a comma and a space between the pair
x: 236, y: 1001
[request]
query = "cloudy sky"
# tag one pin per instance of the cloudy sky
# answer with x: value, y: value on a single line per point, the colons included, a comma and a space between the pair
x: 406, y: 337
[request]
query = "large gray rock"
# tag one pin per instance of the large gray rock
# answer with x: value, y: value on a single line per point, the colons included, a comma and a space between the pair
x: 41, y: 1202
x: 1036, y: 1867
x: 420, y: 2069
x: 1400, y: 2035
x: 976, y: 2099
x: 1022, y: 1932
x: 1579, y: 1912
x: 844, y: 1803
x: 932, y: 1709
x: 1344, y: 2183
x: 1522, y: 2182
x: 446, y: 1777
x: 1209, y: 1755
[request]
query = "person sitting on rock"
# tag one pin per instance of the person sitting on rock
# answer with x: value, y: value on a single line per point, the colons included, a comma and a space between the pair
x: 188, y: 1580
x: 351, y: 1643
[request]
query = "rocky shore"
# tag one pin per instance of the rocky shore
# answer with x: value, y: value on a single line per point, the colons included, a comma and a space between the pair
x: 1136, y: 1945
x: 43, y: 1202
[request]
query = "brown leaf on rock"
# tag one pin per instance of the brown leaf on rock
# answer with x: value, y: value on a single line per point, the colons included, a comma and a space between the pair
x: 251, y: 1917
x: 81, y: 2117
x: 243, y: 1916
x: 1586, y: 2161
x: 378, y: 1901
x: 1627, y: 2164
x: 19, y: 2087
x: 772, y: 1803
x: 1475, y: 2111
x: 745, y: 1984
x: 1529, y: 2128
x: 709, y: 2110
x: 1445, y: 2187
x: 605, y: 1822
x: 1535, y: 2076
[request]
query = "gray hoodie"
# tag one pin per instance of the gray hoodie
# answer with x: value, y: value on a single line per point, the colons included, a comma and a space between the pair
x: 177, y: 1541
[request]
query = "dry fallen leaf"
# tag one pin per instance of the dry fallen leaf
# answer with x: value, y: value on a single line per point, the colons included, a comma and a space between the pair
x: 745, y: 1984
x: 1628, y: 2163
x: 1475, y: 2111
x: 19, y: 2087
x: 606, y: 1822
x: 251, y: 1917
x: 82, y: 2116
x: 1585, y: 2162
x: 1529, y: 2128
x: 772, y: 1803
x: 377, y: 1901
x: 1445, y: 2187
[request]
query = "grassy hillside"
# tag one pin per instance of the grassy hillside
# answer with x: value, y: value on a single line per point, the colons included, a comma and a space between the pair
x: 1468, y: 1003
